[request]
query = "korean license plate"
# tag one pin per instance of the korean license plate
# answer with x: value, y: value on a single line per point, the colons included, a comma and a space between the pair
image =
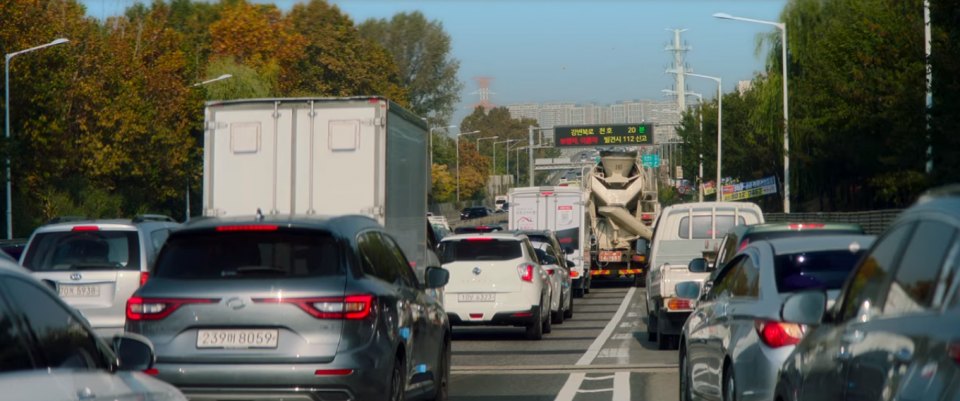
x: 609, y: 256
x: 477, y: 297
x: 79, y: 291
x: 246, y: 338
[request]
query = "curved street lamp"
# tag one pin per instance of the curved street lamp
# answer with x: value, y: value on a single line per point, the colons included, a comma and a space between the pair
x: 719, y: 82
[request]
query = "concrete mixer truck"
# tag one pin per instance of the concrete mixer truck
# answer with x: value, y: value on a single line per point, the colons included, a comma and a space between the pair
x: 622, y: 206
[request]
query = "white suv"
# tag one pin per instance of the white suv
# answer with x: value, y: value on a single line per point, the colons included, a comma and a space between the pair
x: 496, y: 280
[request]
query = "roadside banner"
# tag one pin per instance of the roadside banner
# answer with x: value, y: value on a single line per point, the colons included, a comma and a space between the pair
x: 708, y: 188
x: 750, y: 189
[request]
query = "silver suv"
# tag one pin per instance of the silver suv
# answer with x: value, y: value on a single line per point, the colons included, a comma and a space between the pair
x: 96, y: 265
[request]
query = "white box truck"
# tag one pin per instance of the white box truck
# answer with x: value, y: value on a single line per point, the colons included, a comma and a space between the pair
x: 320, y: 156
x: 559, y: 209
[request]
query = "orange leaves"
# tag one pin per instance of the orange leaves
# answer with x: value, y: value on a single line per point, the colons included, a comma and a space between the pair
x: 256, y: 35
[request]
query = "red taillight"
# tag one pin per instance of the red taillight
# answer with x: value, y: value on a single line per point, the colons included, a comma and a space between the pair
x: 522, y: 314
x: 778, y: 334
x: 525, y: 271
x: 159, y: 308
x: 646, y: 216
x: 144, y: 276
x: 152, y: 371
x: 551, y: 271
x: 574, y: 274
x: 248, y: 227
x: 473, y: 239
x: 351, y: 307
x: 743, y: 244
x: 85, y: 228
x: 333, y: 372
x: 476, y: 316
x: 801, y: 226
x: 546, y: 193
x: 953, y: 350
x: 679, y: 304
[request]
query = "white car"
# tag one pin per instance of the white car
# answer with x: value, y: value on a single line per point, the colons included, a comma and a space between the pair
x: 551, y: 257
x: 496, y: 280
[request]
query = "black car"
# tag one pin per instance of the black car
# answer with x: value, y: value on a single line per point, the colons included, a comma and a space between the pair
x: 475, y: 212
x: 293, y: 307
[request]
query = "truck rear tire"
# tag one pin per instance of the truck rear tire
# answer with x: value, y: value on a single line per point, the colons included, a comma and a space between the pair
x: 651, y: 328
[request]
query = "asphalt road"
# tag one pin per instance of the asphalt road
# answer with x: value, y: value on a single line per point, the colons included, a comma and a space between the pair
x: 599, y: 354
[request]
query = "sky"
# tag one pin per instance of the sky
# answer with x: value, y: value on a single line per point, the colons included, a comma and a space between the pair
x: 579, y: 51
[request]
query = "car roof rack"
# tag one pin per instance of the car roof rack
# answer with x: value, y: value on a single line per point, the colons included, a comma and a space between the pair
x: 140, y: 218
x: 67, y: 219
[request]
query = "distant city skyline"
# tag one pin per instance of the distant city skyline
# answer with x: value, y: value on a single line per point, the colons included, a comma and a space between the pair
x: 574, y: 51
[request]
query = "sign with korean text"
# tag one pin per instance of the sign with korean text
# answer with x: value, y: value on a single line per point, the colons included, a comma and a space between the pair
x: 750, y: 189
x: 603, y: 135
x: 650, y: 160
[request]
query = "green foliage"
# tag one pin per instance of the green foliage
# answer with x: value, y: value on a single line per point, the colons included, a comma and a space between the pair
x: 245, y: 83
x: 421, y: 51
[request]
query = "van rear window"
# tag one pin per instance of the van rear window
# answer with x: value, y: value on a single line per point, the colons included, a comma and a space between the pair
x: 703, y: 227
x: 83, y: 250
x: 250, y: 254
x: 479, y: 249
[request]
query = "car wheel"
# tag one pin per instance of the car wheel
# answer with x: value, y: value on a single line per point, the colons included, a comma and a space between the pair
x: 729, y: 384
x: 557, y: 317
x: 685, y: 389
x: 397, y: 381
x: 651, y: 328
x: 568, y: 312
x: 443, y: 368
x: 535, y: 328
x: 547, y: 327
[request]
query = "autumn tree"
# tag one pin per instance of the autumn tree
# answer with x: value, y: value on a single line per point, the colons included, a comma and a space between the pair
x: 443, y: 186
x: 421, y: 52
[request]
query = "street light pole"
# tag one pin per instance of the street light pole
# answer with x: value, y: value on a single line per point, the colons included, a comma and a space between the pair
x: 719, y: 82
x: 458, y: 161
x: 786, y: 111
x: 6, y: 109
x: 485, y: 138
x: 199, y: 84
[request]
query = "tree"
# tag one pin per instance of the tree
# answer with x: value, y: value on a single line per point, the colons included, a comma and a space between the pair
x: 498, y: 122
x: 945, y: 63
x: 444, y: 186
x: 421, y: 52
x: 337, y: 61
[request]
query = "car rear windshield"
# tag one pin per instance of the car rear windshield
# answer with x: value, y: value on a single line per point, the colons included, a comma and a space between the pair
x: 253, y: 254
x: 475, y: 250
x: 83, y: 250
x: 825, y: 270
x: 703, y: 226
x: 760, y: 236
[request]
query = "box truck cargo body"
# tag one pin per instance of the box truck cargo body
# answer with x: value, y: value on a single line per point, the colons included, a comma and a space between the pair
x: 320, y: 156
x: 559, y: 209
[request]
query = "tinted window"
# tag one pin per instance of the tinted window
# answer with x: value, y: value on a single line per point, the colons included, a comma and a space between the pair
x: 703, y: 226
x: 64, y: 342
x: 728, y: 249
x: 479, y: 249
x: 723, y: 286
x: 917, y: 277
x: 376, y: 258
x: 825, y: 270
x: 400, y: 261
x: 250, y: 254
x: 873, y: 272
x: 14, y: 354
x: 83, y: 250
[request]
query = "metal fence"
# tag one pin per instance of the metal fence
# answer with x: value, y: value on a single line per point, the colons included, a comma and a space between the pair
x: 873, y: 222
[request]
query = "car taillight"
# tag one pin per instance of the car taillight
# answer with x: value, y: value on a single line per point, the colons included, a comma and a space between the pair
x: 144, y: 276
x: 679, y: 304
x: 744, y: 244
x: 551, y: 271
x: 351, y: 307
x: 802, y: 226
x: 85, y: 228
x: 158, y: 308
x: 151, y: 371
x: 525, y: 270
x: 475, y: 239
x: 778, y: 334
x: 574, y: 274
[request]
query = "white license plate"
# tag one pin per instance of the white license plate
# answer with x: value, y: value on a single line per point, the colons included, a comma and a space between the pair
x: 477, y: 297
x: 609, y: 256
x: 79, y: 291
x: 245, y: 338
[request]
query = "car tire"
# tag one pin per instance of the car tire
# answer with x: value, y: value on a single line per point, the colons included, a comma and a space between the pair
x: 686, y: 391
x: 535, y: 328
x: 443, y: 384
x: 729, y: 384
x: 651, y: 328
x: 557, y: 317
x: 397, y: 381
x: 547, y: 326
x: 568, y: 312
x: 578, y: 292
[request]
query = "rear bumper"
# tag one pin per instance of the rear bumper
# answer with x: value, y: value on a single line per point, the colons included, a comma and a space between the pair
x: 513, y: 318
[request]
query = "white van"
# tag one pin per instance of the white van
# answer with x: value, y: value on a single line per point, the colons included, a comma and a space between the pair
x: 684, y: 232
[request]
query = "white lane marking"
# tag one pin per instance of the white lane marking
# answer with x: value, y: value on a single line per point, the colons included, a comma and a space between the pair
x: 574, y: 381
x: 599, y: 390
x: 621, y: 386
x: 599, y: 378
x: 614, y: 353
x: 622, y: 336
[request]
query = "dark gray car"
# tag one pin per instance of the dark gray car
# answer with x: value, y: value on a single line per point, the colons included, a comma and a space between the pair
x: 894, y: 332
x: 293, y: 308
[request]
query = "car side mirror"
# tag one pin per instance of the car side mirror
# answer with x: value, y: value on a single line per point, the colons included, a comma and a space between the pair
x: 698, y: 265
x: 688, y: 289
x: 437, y: 277
x: 134, y: 352
x: 807, y: 307
x: 570, y: 264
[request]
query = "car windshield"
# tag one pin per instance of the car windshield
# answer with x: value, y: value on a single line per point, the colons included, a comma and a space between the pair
x: 83, y: 250
x: 238, y: 255
x: 479, y: 249
x: 824, y: 270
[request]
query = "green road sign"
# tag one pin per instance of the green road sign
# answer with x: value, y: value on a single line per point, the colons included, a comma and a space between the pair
x: 603, y: 135
x: 651, y: 160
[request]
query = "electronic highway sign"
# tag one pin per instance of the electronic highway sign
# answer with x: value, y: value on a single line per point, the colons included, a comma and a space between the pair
x: 603, y: 135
